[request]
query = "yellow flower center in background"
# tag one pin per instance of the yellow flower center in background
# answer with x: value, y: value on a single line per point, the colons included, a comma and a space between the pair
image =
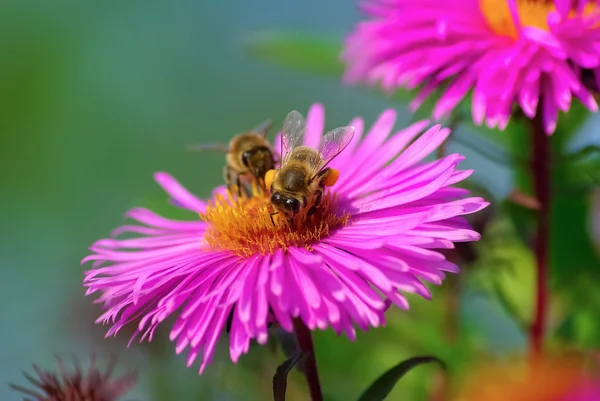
x: 532, y: 13
x: 243, y: 225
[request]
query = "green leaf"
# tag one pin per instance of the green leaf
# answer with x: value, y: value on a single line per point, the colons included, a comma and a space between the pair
x: 280, y: 378
x: 581, y: 177
x: 572, y: 253
x: 382, y: 387
x: 568, y: 126
x: 304, y: 52
x: 508, y: 306
x: 516, y: 283
x: 580, y: 327
x: 581, y: 154
x: 523, y: 219
x: 566, y: 330
x: 506, y: 268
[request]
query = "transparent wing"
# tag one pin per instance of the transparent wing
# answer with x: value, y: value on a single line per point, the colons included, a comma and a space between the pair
x: 333, y: 143
x: 292, y: 133
x: 217, y: 147
x: 263, y: 128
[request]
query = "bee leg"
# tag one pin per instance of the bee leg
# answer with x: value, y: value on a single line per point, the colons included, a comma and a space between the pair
x: 261, y: 182
x: 323, y: 173
x: 319, y: 198
x: 238, y: 182
x: 271, y: 216
x: 228, y: 176
x: 315, y: 205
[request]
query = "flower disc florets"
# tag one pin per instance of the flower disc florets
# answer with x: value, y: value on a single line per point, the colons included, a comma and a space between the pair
x: 245, y: 225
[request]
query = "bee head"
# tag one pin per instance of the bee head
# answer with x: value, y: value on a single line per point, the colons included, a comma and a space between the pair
x: 290, y: 205
x: 293, y: 205
x: 258, y: 160
x: 246, y: 157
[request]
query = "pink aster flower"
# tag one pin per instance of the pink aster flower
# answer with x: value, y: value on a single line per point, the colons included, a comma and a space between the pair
x: 526, y: 52
x: 374, y: 238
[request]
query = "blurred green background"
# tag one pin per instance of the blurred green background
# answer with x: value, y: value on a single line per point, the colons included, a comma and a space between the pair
x: 98, y: 95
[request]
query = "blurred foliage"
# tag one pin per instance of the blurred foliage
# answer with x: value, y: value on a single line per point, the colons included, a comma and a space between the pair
x: 506, y: 269
x: 308, y: 53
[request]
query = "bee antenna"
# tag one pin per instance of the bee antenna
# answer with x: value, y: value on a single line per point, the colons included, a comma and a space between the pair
x: 264, y: 127
x: 213, y: 147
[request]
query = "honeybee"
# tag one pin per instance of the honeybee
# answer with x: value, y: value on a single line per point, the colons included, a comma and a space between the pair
x: 303, y: 175
x: 248, y: 156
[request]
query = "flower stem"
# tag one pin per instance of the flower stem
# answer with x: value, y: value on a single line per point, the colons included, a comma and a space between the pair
x: 540, y: 170
x: 305, y: 342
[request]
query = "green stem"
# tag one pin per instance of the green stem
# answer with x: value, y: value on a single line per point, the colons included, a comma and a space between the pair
x: 305, y: 343
x: 540, y: 169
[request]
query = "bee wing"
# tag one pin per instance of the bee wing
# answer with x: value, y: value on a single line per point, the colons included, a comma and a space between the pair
x: 218, y: 147
x: 263, y: 128
x: 292, y: 133
x: 333, y: 143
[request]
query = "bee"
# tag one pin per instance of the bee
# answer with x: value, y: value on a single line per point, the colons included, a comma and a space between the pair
x: 299, y: 182
x: 248, y: 156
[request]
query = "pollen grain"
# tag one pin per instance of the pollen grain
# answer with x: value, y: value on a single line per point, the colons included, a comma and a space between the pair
x: 243, y: 225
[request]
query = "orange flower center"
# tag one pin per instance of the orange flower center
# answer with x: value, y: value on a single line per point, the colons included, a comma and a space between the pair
x: 243, y: 224
x: 532, y: 13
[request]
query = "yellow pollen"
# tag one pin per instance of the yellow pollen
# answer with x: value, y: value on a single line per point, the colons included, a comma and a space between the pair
x: 532, y: 13
x: 243, y: 225
x: 269, y: 177
x: 331, y: 178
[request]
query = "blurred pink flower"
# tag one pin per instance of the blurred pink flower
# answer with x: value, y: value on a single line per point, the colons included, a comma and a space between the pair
x: 373, y: 238
x: 522, y: 52
x: 585, y: 391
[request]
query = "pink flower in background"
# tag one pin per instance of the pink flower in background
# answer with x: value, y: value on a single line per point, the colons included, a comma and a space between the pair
x: 374, y: 238
x: 508, y: 52
x: 585, y: 391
